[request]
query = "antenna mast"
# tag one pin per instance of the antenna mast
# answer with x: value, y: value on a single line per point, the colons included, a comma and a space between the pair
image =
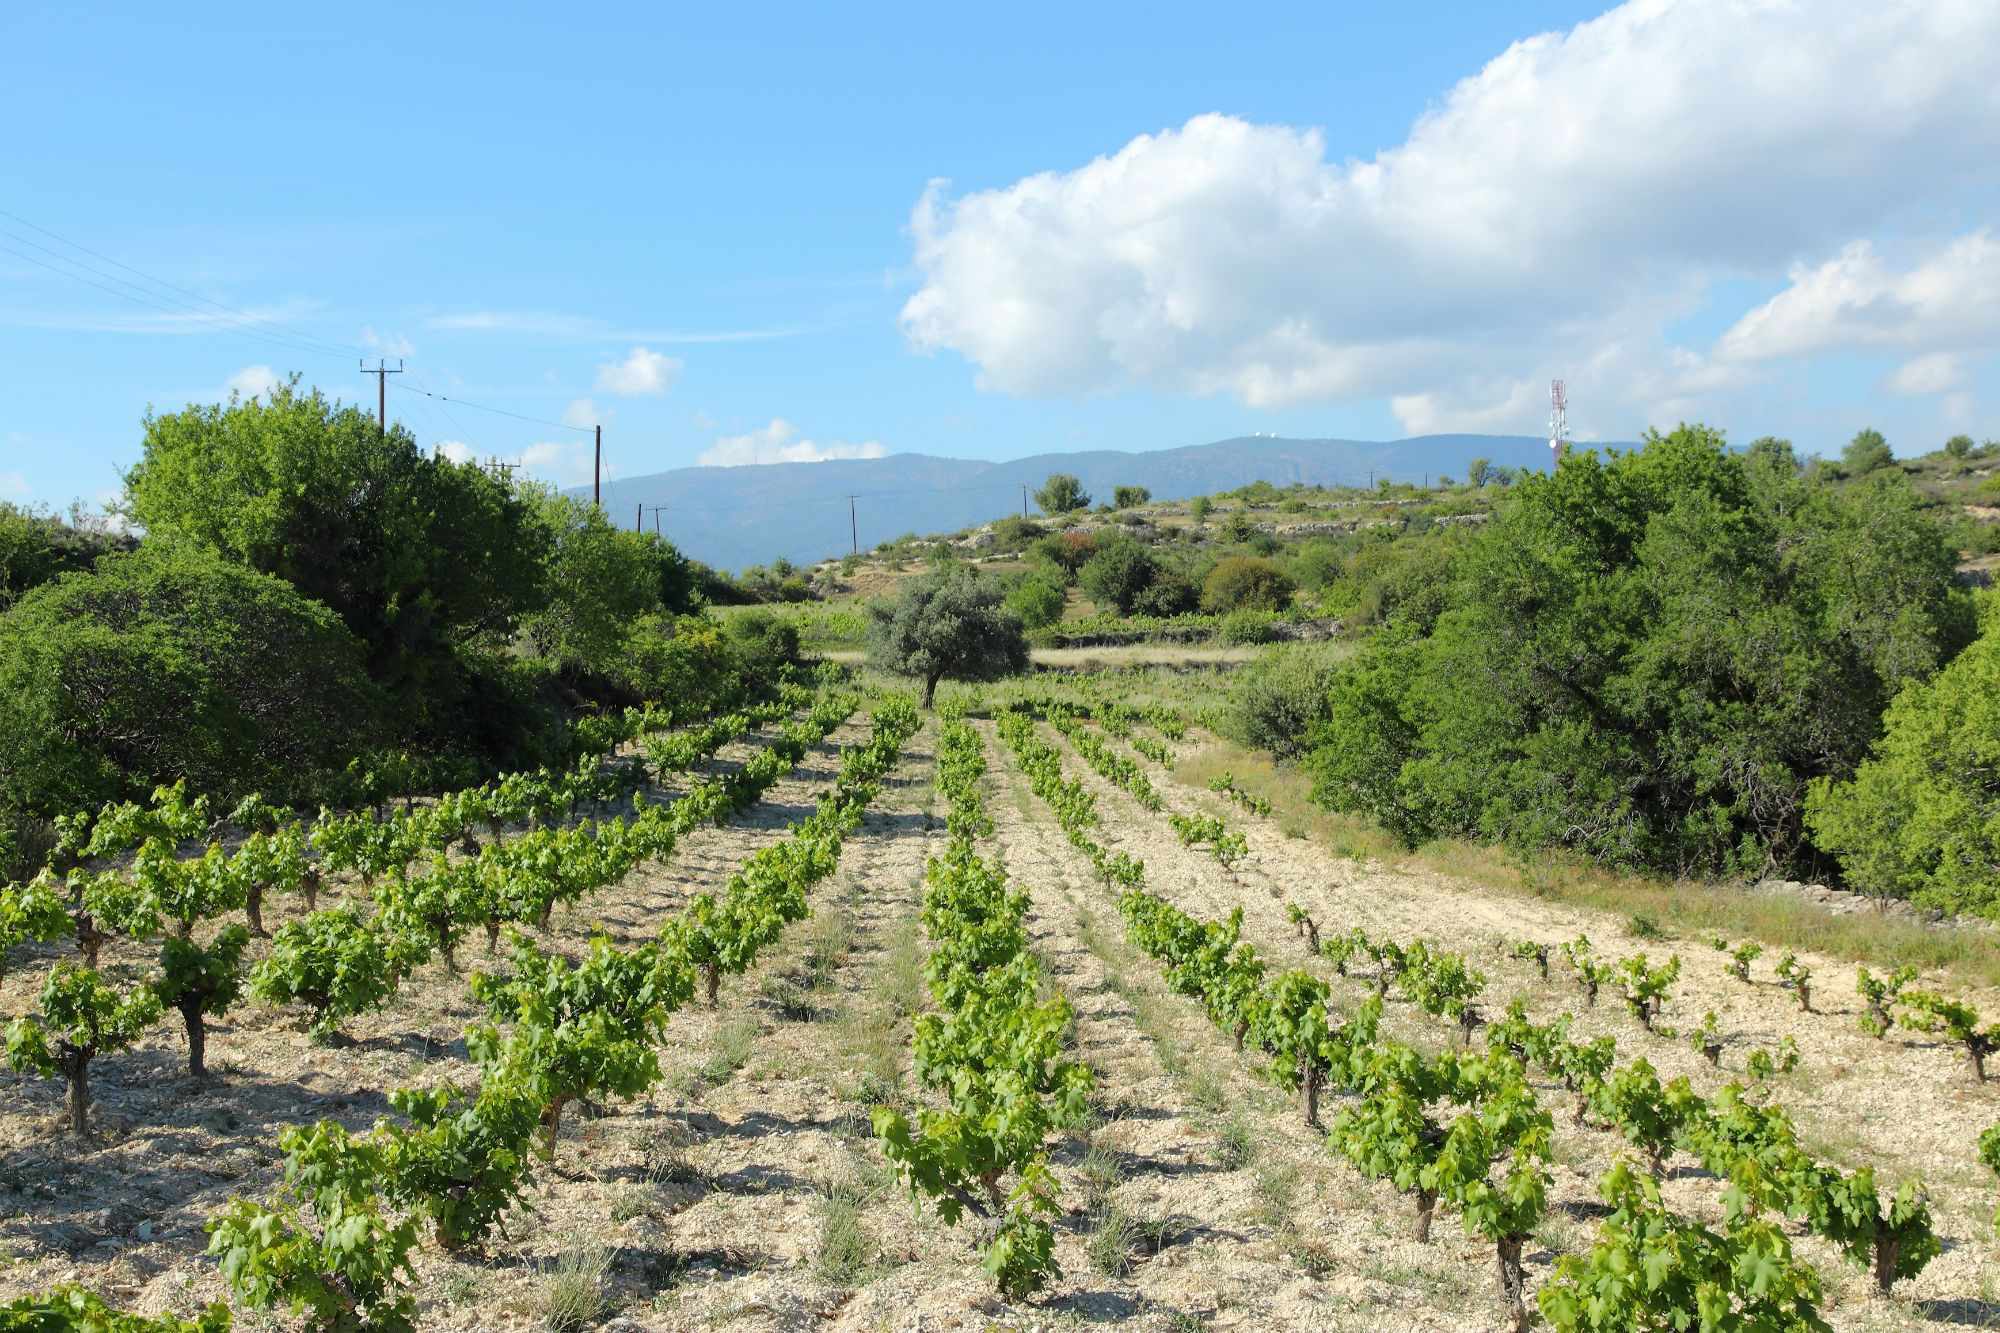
x: 1558, y: 423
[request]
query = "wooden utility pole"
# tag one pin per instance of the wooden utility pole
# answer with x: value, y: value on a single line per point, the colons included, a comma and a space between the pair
x: 382, y: 374
x: 656, y: 519
x: 597, y: 472
x: 853, y: 529
x: 639, y: 517
x: 1024, y: 499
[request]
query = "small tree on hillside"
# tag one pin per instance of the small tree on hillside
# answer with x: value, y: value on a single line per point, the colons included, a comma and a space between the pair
x: 1131, y: 497
x: 1958, y: 446
x: 1867, y: 452
x: 1061, y: 494
x: 950, y: 623
x: 1117, y: 575
x: 1479, y: 471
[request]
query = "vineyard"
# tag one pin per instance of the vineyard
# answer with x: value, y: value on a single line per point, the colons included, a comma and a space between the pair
x: 826, y: 1013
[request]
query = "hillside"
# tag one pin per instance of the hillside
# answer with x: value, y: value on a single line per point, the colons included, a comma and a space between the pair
x: 736, y: 516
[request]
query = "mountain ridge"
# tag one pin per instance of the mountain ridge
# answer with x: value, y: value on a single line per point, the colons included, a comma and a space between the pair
x: 731, y: 517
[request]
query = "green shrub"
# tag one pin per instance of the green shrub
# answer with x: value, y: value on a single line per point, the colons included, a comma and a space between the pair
x: 1648, y: 658
x: 1241, y: 582
x: 1038, y: 599
x: 1118, y: 573
x: 173, y: 663
x: 1245, y: 628
x: 1917, y: 818
x: 35, y: 547
x: 1278, y: 701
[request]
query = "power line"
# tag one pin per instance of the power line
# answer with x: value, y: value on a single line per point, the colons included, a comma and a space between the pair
x: 497, y: 411
x: 150, y: 303
x: 270, y: 328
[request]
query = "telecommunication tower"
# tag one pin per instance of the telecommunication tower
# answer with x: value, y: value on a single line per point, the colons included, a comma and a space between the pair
x: 1558, y: 423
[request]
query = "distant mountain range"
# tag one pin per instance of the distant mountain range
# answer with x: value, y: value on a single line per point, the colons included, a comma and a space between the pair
x: 731, y: 517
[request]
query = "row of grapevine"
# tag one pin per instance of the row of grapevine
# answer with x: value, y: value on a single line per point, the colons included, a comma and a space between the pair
x: 1491, y: 1161
x: 373, y: 842
x: 338, y: 962
x: 1225, y: 783
x: 1112, y: 766
x: 993, y: 1050
x: 335, y: 1244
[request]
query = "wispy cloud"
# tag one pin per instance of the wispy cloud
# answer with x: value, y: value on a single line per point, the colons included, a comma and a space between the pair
x: 584, y: 328
x: 252, y: 322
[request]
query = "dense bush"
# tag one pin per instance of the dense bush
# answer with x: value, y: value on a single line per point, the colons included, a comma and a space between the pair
x: 1921, y: 817
x: 1119, y: 573
x: 35, y: 547
x: 415, y: 553
x: 1245, y: 583
x: 1037, y: 598
x: 1066, y: 552
x: 1408, y: 578
x: 1648, y: 658
x: 170, y: 663
x: 1276, y: 702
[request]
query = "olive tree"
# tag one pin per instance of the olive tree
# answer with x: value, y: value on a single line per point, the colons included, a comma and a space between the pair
x: 949, y: 623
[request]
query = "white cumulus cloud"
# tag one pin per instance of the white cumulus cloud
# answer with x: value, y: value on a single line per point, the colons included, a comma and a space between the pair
x: 779, y: 442
x: 1938, y: 372
x: 581, y: 413
x: 252, y: 381
x: 643, y: 372
x: 1583, y: 191
x: 1857, y: 299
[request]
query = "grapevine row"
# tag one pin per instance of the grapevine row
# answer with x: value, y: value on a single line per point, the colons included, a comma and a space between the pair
x: 1491, y: 1162
x: 329, y: 1246
x: 993, y: 1051
x: 338, y: 962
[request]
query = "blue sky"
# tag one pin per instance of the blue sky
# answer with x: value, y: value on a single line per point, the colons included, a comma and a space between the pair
x: 702, y: 227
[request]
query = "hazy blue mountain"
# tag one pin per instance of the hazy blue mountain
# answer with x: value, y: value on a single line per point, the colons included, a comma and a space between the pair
x: 731, y: 517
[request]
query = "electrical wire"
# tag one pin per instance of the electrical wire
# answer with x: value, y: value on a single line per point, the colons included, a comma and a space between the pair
x: 497, y: 411
x: 236, y: 318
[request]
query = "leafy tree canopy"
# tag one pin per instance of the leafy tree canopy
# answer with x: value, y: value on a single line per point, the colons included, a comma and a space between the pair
x: 1647, y: 658
x: 35, y: 547
x: 1867, y: 452
x: 1920, y: 818
x: 1062, y: 494
x: 172, y: 663
x: 1120, y: 571
x: 946, y: 624
x: 414, y: 553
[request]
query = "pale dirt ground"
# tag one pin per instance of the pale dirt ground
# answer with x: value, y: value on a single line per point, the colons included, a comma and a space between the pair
x: 716, y: 1201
